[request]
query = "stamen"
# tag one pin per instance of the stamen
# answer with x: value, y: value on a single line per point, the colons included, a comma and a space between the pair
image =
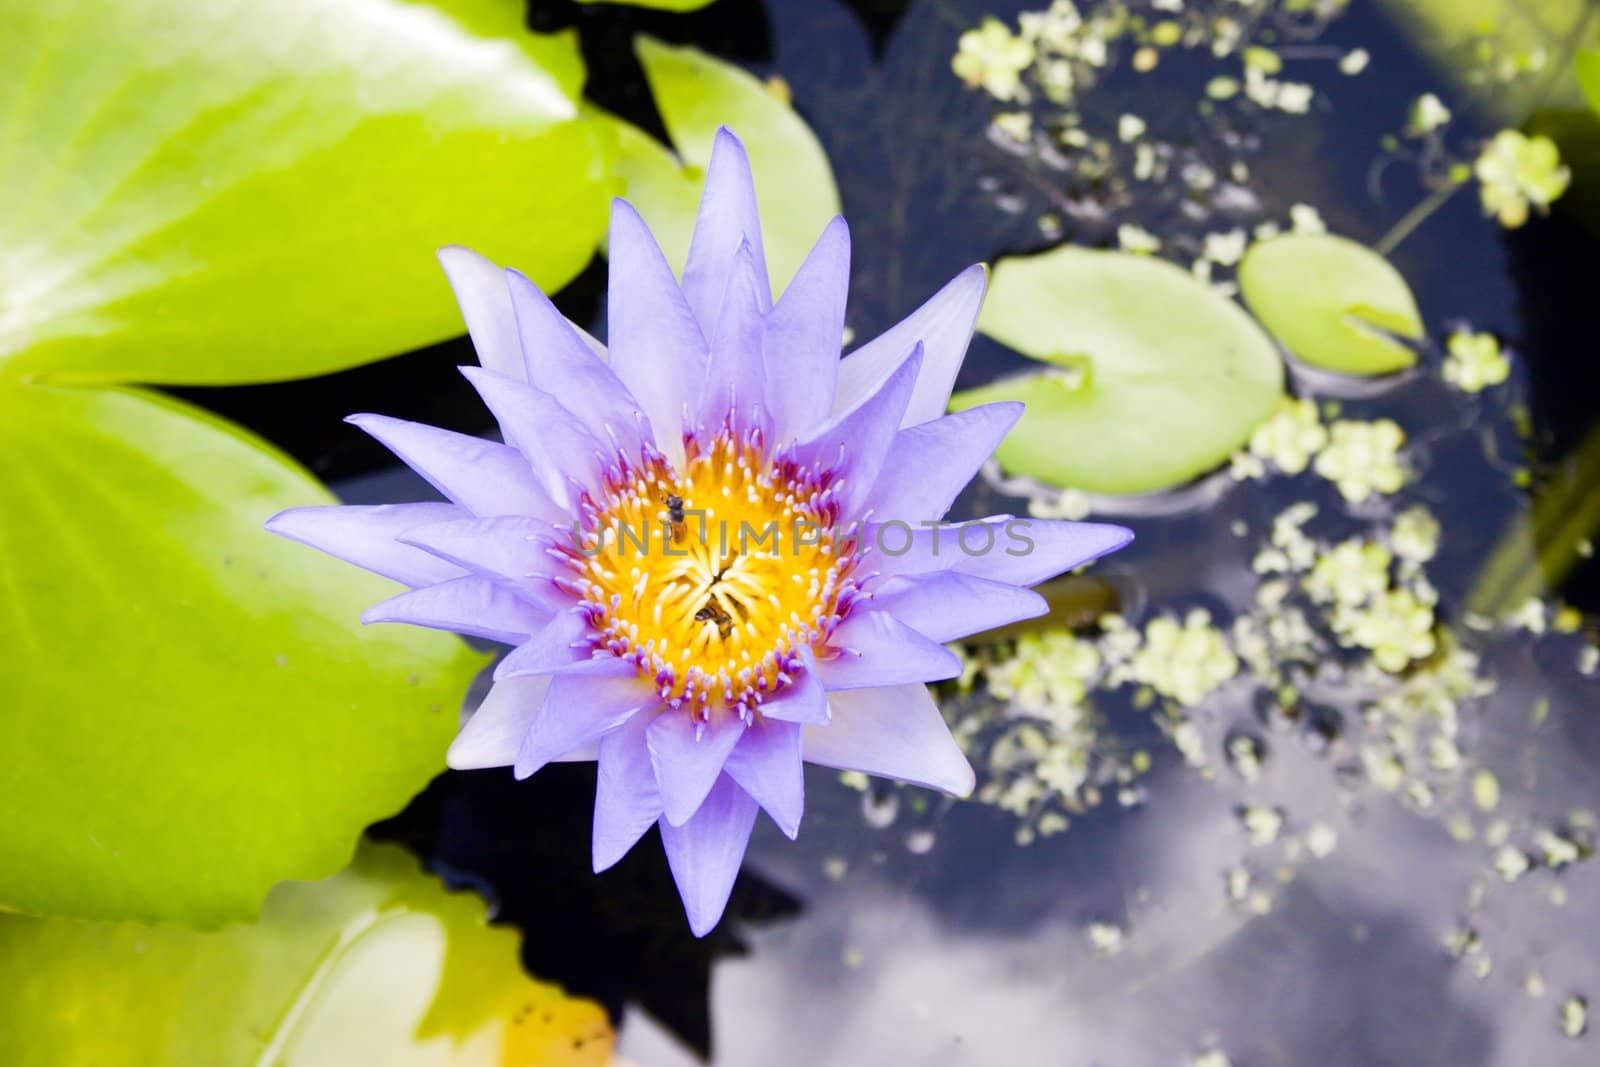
x: 715, y: 605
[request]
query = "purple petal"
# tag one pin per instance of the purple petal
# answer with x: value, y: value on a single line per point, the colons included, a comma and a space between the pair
x: 948, y: 605
x: 509, y: 547
x: 894, y: 733
x: 856, y: 441
x: 580, y: 708
x: 1044, y: 548
x: 803, y: 700
x: 557, y: 444
x: 365, y: 536
x: 563, y: 641
x: 943, y: 325
x: 705, y: 852
x: 687, y: 755
x: 485, y: 477
x: 728, y: 218
x: 735, y: 376
x: 657, y: 347
x: 804, y: 334
x: 897, y: 547
x: 480, y: 289
x: 561, y: 363
x: 472, y: 605
x: 1001, y: 548
x: 929, y: 464
x: 876, y: 649
x: 493, y: 734
x: 626, y: 800
x: 766, y: 764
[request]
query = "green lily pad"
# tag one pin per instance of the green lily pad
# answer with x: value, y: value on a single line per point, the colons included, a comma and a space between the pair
x: 214, y: 193
x: 191, y: 712
x: 1530, y: 34
x: 695, y: 94
x: 377, y: 965
x: 1157, y: 378
x: 1586, y: 65
x: 1332, y: 302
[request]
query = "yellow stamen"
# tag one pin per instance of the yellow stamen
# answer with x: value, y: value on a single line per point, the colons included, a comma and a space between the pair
x: 714, y: 578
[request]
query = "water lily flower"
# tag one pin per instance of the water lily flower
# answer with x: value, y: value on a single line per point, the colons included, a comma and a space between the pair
x: 715, y: 546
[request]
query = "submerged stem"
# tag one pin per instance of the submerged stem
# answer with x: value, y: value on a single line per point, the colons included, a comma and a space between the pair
x: 1414, y: 218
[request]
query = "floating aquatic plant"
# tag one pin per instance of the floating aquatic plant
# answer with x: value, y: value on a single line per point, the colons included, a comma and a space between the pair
x: 1517, y: 172
x: 715, y: 546
x: 993, y: 57
x: 1363, y: 458
x: 1474, y: 361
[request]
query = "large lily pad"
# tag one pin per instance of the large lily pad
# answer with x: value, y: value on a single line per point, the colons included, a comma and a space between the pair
x: 1157, y: 378
x: 223, y: 193
x: 191, y: 712
x: 695, y: 94
x: 1332, y: 302
x: 226, y: 192
x: 377, y: 965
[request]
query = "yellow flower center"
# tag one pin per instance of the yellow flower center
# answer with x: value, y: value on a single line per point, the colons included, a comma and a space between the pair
x: 713, y: 578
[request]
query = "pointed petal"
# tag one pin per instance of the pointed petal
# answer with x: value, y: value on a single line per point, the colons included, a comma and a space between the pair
x: 580, y: 708
x: 896, y: 547
x: 472, y: 605
x: 735, y: 374
x: 948, y: 605
x: 687, y: 755
x: 510, y: 547
x: 706, y: 851
x: 856, y: 441
x: 943, y: 325
x: 480, y: 288
x: 366, y: 535
x: 558, y: 445
x: 485, y: 477
x: 561, y: 363
x: 1001, y: 548
x: 728, y: 217
x: 493, y: 734
x: 766, y: 763
x: 563, y: 641
x: 804, y: 700
x: 657, y: 347
x: 1043, y: 548
x: 626, y: 800
x: 876, y: 649
x: 804, y: 335
x: 929, y: 464
x: 894, y: 733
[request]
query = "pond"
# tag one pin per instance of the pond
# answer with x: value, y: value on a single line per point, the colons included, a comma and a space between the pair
x: 1264, y: 848
x: 1310, y: 772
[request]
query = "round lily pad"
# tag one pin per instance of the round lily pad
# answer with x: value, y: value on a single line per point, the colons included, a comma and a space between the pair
x: 1155, y: 378
x: 1334, y: 303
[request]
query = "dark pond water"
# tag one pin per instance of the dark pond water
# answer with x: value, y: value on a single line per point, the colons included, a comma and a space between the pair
x: 1257, y: 881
